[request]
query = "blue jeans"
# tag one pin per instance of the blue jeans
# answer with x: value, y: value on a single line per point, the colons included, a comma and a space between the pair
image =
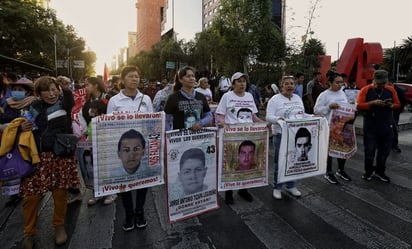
x: 276, y: 145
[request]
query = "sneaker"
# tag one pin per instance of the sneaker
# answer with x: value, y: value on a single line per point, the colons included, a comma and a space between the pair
x: 60, y: 236
x: 397, y: 149
x: 367, y: 176
x: 229, y: 197
x: 128, y: 225
x: 294, y: 191
x: 331, y: 178
x: 277, y: 194
x: 109, y: 199
x: 382, y: 177
x: 140, y: 221
x: 342, y: 174
x: 28, y: 242
x: 93, y: 201
x: 245, y: 195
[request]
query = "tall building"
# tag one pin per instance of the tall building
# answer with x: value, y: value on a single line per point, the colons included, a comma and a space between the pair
x: 131, y: 44
x: 149, y: 17
x: 181, y: 20
x: 210, y: 9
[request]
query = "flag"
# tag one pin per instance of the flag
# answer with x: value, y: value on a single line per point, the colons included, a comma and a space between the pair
x: 106, y: 75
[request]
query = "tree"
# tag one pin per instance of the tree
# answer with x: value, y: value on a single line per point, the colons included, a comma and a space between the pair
x: 153, y: 62
x: 247, y: 36
x: 398, y: 60
x: 28, y: 33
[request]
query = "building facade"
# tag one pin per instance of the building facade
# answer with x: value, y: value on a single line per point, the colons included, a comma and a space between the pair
x: 179, y: 21
x: 149, y: 18
x: 210, y: 8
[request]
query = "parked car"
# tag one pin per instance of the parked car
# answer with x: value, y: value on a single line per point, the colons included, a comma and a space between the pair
x: 408, y: 94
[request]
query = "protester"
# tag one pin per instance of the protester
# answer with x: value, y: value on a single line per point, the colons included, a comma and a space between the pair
x: 95, y: 93
x: 204, y: 89
x: 299, y: 78
x: 131, y: 99
x: 224, y: 85
x: 327, y: 101
x: 227, y: 111
x: 184, y: 101
x: 313, y: 89
x: 56, y: 174
x: 151, y: 89
x: 16, y: 106
x: 377, y: 102
x: 285, y: 105
x: 257, y: 97
x: 159, y: 100
x: 396, y: 114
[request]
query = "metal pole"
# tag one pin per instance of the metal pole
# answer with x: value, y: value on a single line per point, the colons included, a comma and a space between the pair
x: 68, y: 61
x: 55, y: 53
x: 394, y: 60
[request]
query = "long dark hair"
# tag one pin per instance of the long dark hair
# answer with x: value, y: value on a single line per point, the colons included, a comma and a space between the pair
x: 182, y: 72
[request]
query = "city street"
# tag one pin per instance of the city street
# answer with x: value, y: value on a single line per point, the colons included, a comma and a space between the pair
x: 356, y: 214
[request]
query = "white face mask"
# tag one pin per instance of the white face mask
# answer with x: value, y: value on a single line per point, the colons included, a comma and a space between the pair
x: 91, y: 113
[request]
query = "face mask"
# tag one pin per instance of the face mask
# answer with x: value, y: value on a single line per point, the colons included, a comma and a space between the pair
x: 91, y: 113
x: 18, y: 95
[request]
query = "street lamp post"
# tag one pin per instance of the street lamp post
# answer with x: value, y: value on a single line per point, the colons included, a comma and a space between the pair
x: 69, y: 67
x: 55, y: 53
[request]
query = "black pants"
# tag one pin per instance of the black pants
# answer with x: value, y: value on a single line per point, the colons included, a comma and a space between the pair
x: 341, y: 164
x: 377, y: 139
x: 127, y: 199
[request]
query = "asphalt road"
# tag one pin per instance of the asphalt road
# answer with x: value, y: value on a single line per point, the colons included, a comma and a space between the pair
x: 356, y: 214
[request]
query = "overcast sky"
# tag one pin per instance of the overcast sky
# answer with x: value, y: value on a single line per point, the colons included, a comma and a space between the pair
x: 104, y: 23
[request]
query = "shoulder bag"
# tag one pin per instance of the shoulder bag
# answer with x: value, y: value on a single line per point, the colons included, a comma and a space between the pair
x: 12, y: 165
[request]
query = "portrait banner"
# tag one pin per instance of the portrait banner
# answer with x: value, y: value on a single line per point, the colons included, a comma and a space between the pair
x: 303, y: 148
x: 342, y: 137
x: 128, y: 151
x: 243, y: 156
x: 85, y: 160
x: 191, y: 172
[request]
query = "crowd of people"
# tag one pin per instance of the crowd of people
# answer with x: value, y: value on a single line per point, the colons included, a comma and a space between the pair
x: 44, y: 105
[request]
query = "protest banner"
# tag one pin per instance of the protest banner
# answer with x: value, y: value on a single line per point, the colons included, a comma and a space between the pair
x: 342, y: 137
x: 303, y: 148
x: 128, y: 151
x: 243, y: 156
x: 191, y: 172
x: 85, y: 159
x: 80, y: 97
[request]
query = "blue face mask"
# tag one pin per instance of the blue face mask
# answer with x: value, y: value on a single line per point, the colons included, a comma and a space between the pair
x: 18, y: 95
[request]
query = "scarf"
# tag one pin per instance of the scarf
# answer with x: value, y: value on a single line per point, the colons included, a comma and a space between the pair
x: 21, y: 103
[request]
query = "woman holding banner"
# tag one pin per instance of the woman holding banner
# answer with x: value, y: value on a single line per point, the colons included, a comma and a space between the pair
x: 186, y: 108
x: 95, y: 94
x: 328, y: 101
x: 285, y: 105
x: 131, y: 99
x: 231, y: 106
